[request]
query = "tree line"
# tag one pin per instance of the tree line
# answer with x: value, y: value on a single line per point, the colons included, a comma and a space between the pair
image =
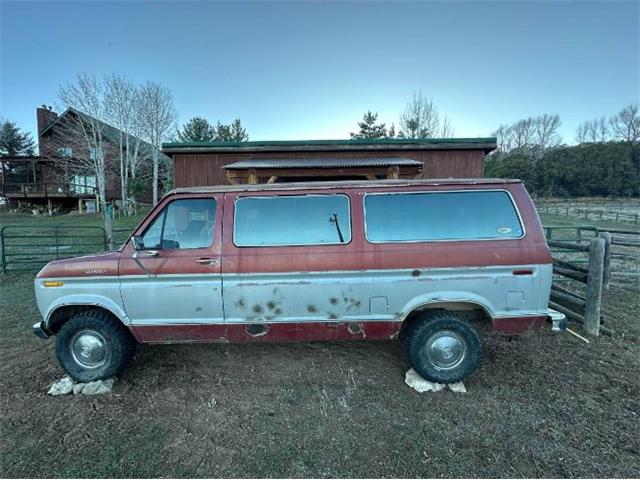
x: 419, y: 119
x: 604, y: 162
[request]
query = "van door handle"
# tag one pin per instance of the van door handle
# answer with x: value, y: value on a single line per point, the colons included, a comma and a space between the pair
x: 208, y: 261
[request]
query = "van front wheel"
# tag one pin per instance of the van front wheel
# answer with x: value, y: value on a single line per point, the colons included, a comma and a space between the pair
x: 94, y: 346
x: 442, y: 348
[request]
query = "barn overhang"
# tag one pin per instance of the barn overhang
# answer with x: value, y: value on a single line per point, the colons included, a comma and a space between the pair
x: 269, y: 170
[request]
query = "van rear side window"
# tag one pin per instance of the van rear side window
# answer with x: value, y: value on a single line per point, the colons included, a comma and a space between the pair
x: 292, y: 220
x: 437, y: 216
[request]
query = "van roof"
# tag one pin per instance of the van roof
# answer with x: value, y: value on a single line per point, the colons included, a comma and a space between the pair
x: 342, y: 184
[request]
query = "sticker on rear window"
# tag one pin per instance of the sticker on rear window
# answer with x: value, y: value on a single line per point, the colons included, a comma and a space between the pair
x: 505, y: 230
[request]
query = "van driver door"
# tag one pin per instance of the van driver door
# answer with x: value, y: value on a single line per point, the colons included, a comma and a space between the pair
x: 174, y: 278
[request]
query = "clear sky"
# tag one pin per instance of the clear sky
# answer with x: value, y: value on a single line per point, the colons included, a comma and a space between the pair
x: 304, y: 70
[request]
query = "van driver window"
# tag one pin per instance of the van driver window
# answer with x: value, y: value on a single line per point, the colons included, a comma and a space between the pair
x: 292, y: 220
x: 182, y: 224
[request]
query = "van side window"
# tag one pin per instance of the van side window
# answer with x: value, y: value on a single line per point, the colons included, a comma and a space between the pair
x: 415, y: 217
x: 292, y: 220
x: 182, y: 224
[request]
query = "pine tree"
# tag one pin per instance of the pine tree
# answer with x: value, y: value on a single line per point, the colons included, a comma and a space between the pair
x: 13, y: 141
x: 369, y: 128
x: 233, y: 132
x: 197, y: 129
x: 392, y: 131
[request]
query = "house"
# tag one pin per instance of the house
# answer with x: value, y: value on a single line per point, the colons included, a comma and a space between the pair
x: 216, y: 163
x: 63, y: 173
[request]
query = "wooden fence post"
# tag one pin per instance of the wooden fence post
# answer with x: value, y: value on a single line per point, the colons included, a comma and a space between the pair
x: 606, y: 273
x: 594, y: 287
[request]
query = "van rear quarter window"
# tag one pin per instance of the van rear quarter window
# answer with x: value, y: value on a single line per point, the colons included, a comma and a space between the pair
x: 437, y: 216
x: 292, y: 220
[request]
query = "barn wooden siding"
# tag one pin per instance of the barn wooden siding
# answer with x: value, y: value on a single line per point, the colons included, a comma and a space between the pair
x: 206, y: 168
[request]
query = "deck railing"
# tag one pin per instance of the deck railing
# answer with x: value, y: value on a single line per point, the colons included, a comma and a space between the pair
x: 46, y: 189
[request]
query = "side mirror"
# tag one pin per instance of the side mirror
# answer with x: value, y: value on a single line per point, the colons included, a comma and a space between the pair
x: 138, y: 244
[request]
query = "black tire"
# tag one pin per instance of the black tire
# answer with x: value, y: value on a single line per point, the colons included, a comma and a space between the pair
x: 460, y: 349
x: 103, y: 346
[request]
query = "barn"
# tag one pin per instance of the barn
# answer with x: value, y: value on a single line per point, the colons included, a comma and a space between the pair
x: 218, y: 163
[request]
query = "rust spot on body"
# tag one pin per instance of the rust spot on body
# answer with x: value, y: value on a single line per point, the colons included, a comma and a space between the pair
x: 257, y: 308
x: 355, y: 328
x: 271, y: 305
x: 333, y: 300
x: 257, y: 329
x: 312, y: 308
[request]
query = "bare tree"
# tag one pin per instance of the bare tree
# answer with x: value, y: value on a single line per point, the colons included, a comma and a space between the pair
x: 546, y: 131
x: 582, y: 133
x: 531, y: 134
x: 596, y: 130
x: 504, y: 136
x: 85, y: 130
x: 523, y: 133
x: 602, y: 129
x: 446, y: 130
x: 157, y: 117
x: 120, y: 109
x: 123, y: 110
x: 421, y: 119
x: 625, y: 126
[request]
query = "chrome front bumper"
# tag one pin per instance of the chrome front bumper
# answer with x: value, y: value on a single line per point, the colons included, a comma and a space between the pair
x: 39, y: 331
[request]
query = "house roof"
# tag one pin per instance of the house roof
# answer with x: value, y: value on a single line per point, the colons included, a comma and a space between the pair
x: 111, y: 132
x: 487, y: 144
x: 313, y: 162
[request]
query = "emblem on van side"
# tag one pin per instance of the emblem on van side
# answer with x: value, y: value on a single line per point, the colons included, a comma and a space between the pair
x: 96, y: 271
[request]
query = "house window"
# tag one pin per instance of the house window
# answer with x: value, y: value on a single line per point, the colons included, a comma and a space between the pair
x: 292, y: 220
x: 95, y: 153
x: 437, y: 216
x: 65, y: 152
x: 83, y: 184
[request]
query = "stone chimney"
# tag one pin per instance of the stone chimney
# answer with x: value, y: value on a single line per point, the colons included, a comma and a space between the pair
x: 44, y: 117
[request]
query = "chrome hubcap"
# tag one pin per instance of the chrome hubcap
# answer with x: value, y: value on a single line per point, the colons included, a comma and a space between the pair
x: 446, y: 350
x: 89, y: 349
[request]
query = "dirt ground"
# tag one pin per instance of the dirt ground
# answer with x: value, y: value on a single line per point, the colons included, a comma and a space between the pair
x: 541, y: 405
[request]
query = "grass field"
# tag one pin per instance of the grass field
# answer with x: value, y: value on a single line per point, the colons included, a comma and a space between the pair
x: 541, y: 405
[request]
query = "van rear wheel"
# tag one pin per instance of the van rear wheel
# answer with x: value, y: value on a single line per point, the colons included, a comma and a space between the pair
x: 92, y: 345
x: 443, y: 348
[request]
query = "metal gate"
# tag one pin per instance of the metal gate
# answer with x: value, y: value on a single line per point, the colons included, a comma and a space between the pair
x: 29, y: 248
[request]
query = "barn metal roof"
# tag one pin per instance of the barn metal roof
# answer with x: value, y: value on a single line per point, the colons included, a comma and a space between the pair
x: 486, y: 144
x: 270, y: 163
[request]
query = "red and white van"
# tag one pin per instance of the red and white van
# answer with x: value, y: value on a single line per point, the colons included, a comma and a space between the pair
x: 426, y: 259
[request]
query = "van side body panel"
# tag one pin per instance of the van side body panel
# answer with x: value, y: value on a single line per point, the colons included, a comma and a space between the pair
x: 358, y: 290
